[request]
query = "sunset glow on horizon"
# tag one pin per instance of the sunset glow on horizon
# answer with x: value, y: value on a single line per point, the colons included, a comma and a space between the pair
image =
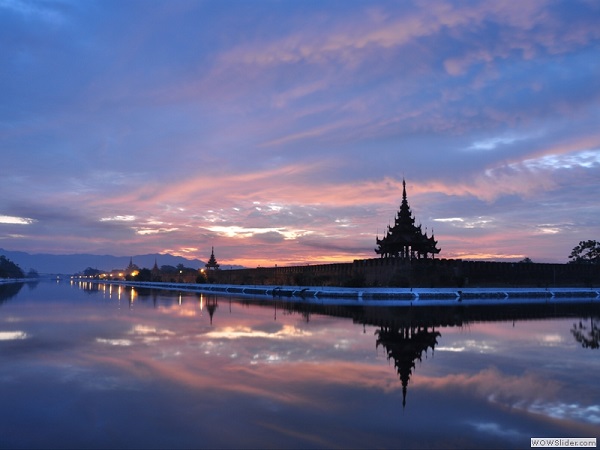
x: 279, y: 133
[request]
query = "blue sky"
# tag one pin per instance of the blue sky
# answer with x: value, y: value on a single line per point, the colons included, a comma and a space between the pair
x: 280, y: 132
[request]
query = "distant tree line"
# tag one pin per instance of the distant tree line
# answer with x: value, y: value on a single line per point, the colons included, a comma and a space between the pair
x: 9, y: 269
x: 166, y: 273
x: 586, y: 252
x: 90, y: 272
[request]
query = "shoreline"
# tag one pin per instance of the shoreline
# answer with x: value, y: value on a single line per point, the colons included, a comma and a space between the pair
x: 382, y: 295
x: 370, y: 296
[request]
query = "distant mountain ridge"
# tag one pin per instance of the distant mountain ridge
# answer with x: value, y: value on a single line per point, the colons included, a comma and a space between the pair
x: 70, y: 264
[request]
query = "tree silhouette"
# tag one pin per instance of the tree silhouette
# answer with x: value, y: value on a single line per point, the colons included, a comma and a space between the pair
x: 91, y: 272
x: 586, y: 252
x: 9, y: 269
x: 143, y: 275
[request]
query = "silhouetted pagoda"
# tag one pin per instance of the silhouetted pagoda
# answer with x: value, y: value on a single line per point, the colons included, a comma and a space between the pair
x: 131, y: 268
x: 155, y: 271
x: 212, y: 262
x: 405, y: 240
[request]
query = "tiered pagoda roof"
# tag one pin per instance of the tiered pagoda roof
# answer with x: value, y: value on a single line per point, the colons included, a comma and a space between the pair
x: 404, y: 239
x: 212, y: 262
x: 405, y: 345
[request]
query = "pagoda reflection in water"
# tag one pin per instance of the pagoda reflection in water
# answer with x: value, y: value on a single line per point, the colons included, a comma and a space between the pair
x: 405, y: 346
x: 406, y: 333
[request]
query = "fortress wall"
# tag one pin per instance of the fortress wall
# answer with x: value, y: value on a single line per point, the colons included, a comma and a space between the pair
x: 540, y: 275
x: 417, y: 273
x: 315, y: 275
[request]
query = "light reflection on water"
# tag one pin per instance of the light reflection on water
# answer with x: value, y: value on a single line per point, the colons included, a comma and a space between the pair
x: 110, y: 366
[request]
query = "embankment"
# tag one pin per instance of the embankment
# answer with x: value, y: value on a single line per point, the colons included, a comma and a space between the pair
x: 408, y: 296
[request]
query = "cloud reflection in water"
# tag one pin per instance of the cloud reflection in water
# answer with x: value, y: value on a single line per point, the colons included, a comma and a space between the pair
x: 164, y: 374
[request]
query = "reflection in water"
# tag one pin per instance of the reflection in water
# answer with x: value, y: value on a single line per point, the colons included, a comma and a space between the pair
x: 408, y: 332
x: 211, y: 306
x: 587, y: 338
x: 9, y: 290
x: 113, y: 367
x: 405, y: 332
x: 405, y: 346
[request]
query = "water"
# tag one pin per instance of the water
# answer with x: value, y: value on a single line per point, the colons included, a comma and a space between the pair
x: 88, y: 366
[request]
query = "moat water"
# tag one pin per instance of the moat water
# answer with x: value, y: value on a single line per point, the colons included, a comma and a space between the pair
x: 98, y: 366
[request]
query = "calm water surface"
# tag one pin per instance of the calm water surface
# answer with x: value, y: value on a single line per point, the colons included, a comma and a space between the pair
x: 95, y: 366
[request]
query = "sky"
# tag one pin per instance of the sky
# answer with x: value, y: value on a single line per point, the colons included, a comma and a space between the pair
x: 279, y: 132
